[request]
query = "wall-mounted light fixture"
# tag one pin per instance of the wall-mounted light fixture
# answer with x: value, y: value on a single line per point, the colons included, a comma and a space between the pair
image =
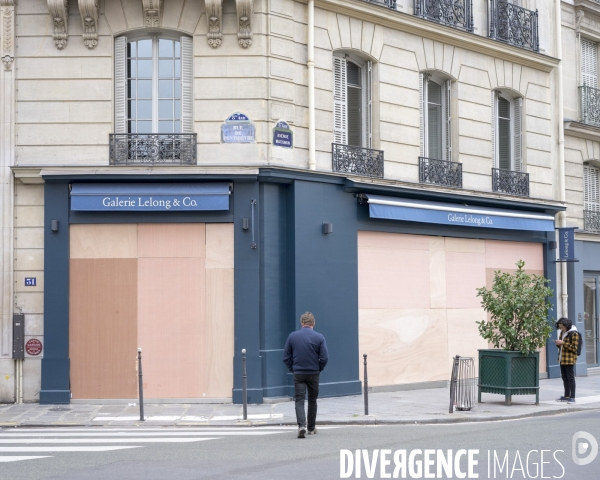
x: 327, y: 228
x: 54, y: 226
x: 552, y: 245
x: 245, y: 224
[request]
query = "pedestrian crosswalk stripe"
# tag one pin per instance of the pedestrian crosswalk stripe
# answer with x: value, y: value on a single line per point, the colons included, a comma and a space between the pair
x: 104, y: 440
x: 19, y: 458
x: 93, y: 430
x: 138, y: 433
x: 63, y: 449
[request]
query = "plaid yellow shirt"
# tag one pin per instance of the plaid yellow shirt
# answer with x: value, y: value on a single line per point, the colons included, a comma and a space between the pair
x: 567, y: 355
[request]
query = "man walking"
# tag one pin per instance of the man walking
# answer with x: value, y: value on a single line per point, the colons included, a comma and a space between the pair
x: 305, y: 355
x: 569, y: 347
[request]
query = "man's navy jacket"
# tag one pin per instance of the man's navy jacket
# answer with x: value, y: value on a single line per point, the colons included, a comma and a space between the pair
x: 305, y: 352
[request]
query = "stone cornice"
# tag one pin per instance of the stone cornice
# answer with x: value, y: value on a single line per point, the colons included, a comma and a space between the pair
x: 245, y: 11
x: 89, y: 20
x: 214, y: 20
x: 59, y: 10
x: 587, y: 6
x: 441, y: 33
x: 582, y: 130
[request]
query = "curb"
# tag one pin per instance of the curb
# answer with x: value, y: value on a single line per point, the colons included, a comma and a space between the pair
x: 355, y: 422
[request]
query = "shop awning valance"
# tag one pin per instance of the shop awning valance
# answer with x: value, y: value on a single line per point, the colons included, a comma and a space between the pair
x: 392, y: 208
x: 150, y: 196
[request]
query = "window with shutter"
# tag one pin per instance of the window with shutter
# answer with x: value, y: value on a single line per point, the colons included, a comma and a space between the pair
x: 369, y: 105
x: 494, y: 128
x: 591, y: 188
x: 518, y: 134
x: 340, y: 88
x: 157, y: 79
x: 448, y: 117
x: 435, y: 120
x: 355, y: 104
x: 504, y: 134
x: 422, y: 123
x: 120, y: 84
x: 589, y: 63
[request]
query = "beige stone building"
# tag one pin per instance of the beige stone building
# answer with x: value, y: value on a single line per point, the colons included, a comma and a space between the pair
x: 444, y: 122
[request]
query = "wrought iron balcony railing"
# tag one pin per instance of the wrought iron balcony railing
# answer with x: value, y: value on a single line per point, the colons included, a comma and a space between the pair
x: 454, y: 13
x: 357, y: 160
x: 511, y: 182
x: 384, y: 3
x: 440, y: 172
x: 514, y: 25
x: 591, y: 221
x: 590, y: 105
x: 152, y: 148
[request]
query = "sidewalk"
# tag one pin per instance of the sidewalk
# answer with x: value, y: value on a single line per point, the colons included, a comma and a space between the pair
x: 415, y: 406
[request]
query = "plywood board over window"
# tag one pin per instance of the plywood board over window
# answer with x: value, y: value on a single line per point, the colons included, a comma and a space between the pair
x: 167, y: 288
x: 418, y: 304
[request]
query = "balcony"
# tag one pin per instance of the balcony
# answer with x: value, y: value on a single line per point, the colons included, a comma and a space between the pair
x: 357, y: 160
x: 454, y: 13
x: 440, y: 172
x: 152, y: 148
x: 514, y: 25
x: 384, y: 3
x: 590, y: 105
x: 511, y: 182
x: 591, y: 221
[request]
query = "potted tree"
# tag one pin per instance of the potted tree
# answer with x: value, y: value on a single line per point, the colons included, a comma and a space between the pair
x: 518, y: 327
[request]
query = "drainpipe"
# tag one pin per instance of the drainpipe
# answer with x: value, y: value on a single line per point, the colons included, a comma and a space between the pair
x: 312, y: 162
x: 561, y: 150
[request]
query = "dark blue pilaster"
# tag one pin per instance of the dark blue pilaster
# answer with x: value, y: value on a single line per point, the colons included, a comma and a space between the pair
x: 55, y: 364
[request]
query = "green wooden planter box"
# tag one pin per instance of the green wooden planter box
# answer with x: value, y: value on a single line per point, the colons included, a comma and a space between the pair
x: 509, y: 373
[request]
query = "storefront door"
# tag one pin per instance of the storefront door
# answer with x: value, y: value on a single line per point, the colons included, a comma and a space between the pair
x: 591, y: 291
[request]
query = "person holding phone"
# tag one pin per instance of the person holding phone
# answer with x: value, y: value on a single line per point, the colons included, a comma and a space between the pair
x: 567, y: 344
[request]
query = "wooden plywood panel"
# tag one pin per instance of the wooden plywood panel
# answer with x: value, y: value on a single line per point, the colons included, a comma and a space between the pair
x: 465, y: 272
x: 172, y: 240
x: 437, y: 272
x: 171, y: 326
x: 504, y: 255
x: 390, y: 278
x: 395, y: 241
x: 103, y: 328
x: 404, y: 346
x: 219, y: 245
x: 219, y: 332
x: 463, y: 332
x: 465, y: 245
x: 103, y: 241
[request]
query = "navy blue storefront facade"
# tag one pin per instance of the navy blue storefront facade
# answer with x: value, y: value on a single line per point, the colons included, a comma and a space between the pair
x: 284, y: 262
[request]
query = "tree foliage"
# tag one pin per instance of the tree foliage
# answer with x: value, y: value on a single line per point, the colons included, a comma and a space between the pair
x: 518, y: 306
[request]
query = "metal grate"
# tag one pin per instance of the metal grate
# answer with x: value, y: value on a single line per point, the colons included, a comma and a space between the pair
x: 514, y: 25
x: 454, y: 13
x: 462, y: 384
x: 440, y: 172
x: 152, y: 148
x: 511, y: 182
x: 591, y: 221
x: 590, y: 105
x: 357, y: 160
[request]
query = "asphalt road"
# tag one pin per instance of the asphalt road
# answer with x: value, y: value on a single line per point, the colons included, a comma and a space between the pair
x: 276, y: 453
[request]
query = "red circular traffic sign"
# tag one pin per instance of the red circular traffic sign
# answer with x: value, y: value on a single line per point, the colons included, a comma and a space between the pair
x: 33, y: 347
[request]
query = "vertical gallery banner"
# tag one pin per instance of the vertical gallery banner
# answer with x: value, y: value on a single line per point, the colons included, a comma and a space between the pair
x: 566, y: 244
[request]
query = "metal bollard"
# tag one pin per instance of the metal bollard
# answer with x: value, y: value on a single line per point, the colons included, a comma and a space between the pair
x: 141, y: 384
x: 366, y: 387
x: 453, y: 380
x: 244, y: 385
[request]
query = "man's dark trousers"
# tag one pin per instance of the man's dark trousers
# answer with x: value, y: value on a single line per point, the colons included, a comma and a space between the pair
x: 567, y: 373
x: 302, y: 384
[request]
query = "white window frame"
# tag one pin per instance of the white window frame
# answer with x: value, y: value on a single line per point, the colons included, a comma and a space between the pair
x: 516, y: 131
x: 187, y: 79
x: 340, y: 99
x: 591, y: 188
x: 446, y: 85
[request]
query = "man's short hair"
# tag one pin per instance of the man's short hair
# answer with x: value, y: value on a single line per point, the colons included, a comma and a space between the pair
x: 307, y: 318
x: 566, y: 322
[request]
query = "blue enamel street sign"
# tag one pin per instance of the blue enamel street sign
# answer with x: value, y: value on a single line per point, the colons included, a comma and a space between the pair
x: 238, y: 129
x: 30, y: 281
x: 283, y: 135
